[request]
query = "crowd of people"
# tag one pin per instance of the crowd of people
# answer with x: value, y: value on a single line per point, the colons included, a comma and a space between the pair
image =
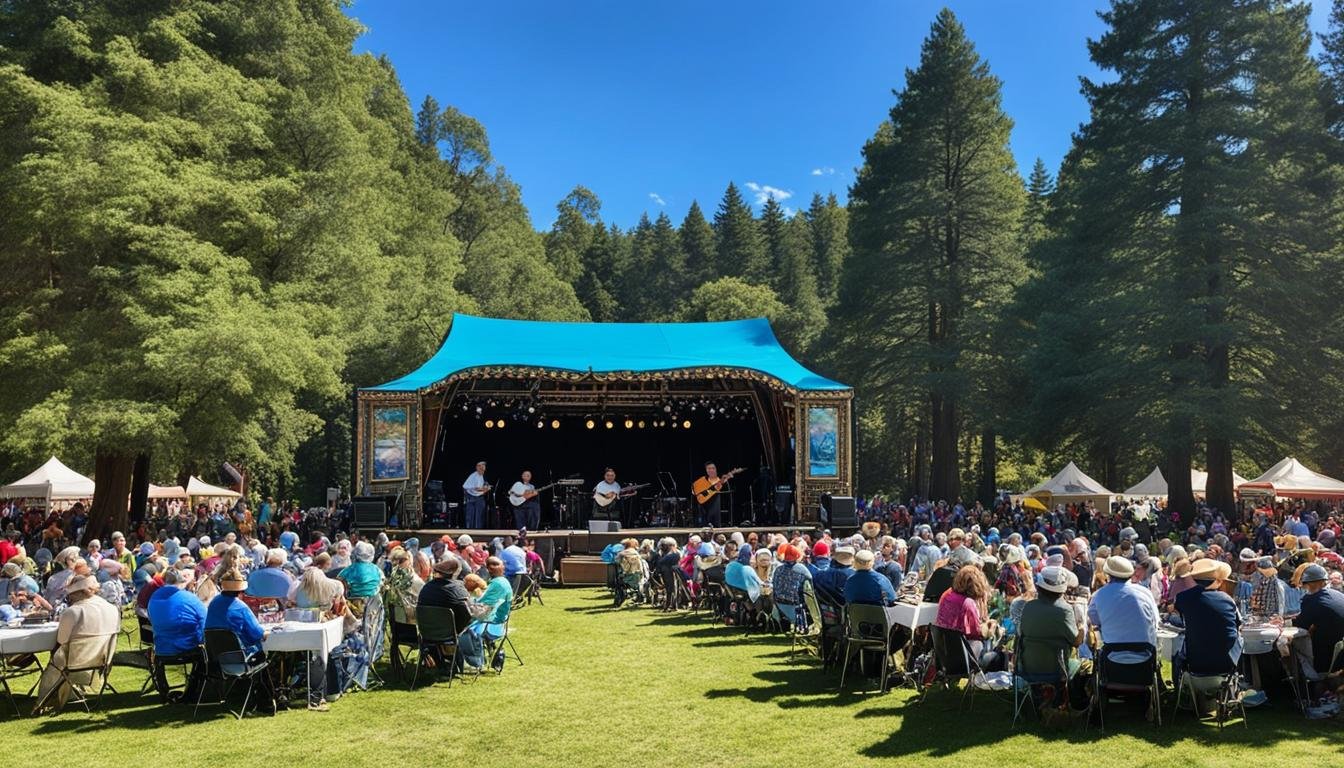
x: 179, y: 589
x: 1028, y: 588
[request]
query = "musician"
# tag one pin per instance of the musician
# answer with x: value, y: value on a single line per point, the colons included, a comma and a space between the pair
x: 528, y: 514
x: 710, y: 512
x: 609, y: 489
x: 474, y: 490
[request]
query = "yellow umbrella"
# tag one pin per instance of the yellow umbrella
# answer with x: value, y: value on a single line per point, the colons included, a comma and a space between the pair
x: 1031, y: 502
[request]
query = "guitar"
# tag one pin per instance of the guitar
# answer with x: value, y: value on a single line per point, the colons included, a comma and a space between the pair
x: 519, y: 501
x: 605, y: 499
x: 705, y: 489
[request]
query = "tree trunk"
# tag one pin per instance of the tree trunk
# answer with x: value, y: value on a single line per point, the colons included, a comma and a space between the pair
x: 1110, y: 472
x: 919, y: 480
x: 113, y: 472
x: 139, y: 488
x: 944, y: 485
x: 1180, y: 498
x: 989, y: 467
x: 1219, y: 488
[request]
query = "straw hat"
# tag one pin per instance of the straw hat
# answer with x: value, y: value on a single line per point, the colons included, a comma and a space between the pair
x: 1118, y: 567
x: 1208, y: 569
x: 233, y: 581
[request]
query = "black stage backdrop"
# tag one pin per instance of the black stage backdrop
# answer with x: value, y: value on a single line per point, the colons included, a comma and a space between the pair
x: 638, y: 456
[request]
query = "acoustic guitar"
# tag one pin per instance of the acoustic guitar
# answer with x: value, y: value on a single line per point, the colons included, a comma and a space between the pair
x: 520, y: 500
x: 705, y: 489
x: 605, y: 499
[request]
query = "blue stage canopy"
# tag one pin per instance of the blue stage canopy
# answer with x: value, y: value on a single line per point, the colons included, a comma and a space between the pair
x: 481, y: 342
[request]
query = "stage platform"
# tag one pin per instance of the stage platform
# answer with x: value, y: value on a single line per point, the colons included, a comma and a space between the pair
x: 574, y: 552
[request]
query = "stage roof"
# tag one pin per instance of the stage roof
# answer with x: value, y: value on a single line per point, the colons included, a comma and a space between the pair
x: 605, y: 348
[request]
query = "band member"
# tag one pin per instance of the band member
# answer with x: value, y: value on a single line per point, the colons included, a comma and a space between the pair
x: 474, y: 490
x: 710, y: 513
x: 528, y: 514
x: 607, y: 489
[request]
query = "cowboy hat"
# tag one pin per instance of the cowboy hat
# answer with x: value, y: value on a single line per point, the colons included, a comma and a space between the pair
x: 1208, y: 569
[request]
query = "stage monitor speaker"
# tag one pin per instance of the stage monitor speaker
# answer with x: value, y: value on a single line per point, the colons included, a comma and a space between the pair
x: 783, y: 503
x: 604, y: 526
x: 838, y: 511
x: 370, y: 512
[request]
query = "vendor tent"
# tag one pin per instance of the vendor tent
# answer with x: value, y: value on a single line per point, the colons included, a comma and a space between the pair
x: 1155, y: 484
x: 167, y: 491
x: 198, y: 487
x: 52, y: 481
x: 1289, y: 478
x: 1072, y: 485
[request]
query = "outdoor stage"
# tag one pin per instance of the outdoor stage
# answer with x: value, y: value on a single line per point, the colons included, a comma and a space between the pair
x: 574, y: 553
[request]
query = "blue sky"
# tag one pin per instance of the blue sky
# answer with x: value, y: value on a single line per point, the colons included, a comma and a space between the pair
x: 653, y: 105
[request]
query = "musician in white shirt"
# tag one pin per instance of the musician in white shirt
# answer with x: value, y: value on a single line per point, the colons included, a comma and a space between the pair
x: 474, y: 490
x: 607, y: 489
x: 528, y: 514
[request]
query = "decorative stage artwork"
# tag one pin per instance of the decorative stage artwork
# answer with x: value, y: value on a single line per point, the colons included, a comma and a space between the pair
x: 821, y: 443
x: 391, y: 433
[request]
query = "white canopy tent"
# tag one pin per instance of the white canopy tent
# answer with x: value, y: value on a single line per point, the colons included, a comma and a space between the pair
x: 167, y: 491
x: 1289, y: 478
x: 1155, y: 484
x: 198, y: 487
x: 52, y: 481
x: 1072, y: 485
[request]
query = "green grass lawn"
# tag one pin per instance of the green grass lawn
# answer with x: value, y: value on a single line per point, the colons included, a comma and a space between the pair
x: 635, y: 687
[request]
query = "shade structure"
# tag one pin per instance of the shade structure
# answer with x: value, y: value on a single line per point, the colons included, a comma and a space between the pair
x: 198, y: 487
x: 1071, y: 484
x: 1289, y: 478
x: 52, y: 481
x: 167, y: 491
x: 1155, y: 484
x: 1031, y: 502
x: 610, y: 348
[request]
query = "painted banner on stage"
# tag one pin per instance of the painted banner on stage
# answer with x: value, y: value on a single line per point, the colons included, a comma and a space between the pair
x: 391, y: 433
x: 821, y: 442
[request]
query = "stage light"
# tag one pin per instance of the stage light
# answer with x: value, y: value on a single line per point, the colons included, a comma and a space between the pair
x: 500, y: 424
x: 541, y: 424
x: 686, y: 424
x: 641, y: 423
x: 555, y: 423
x: 489, y: 423
x: 531, y: 409
x: 629, y: 423
x: 588, y: 423
x: 609, y: 424
x: 674, y: 425
x: 667, y: 409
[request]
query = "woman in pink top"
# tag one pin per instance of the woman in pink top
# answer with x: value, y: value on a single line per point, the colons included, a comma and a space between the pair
x: 963, y: 609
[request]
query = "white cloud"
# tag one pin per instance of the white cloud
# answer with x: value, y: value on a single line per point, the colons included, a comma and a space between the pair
x: 789, y: 213
x: 657, y: 198
x: 823, y: 171
x: 766, y: 192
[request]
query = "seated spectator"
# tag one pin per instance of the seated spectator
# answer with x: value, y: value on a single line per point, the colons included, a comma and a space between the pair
x: 1049, y: 625
x: 865, y: 586
x: 830, y: 583
x: 86, y: 616
x: 1267, y: 592
x: 178, y: 620
x: 13, y: 579
x: 513, y: 556
x: 740, y: 575
x: 228, y: 611
x: 1322, y: 615
x: 498, y: 598
x: 632, y: 570
x: 941, y: 579
x: 1212, y: 627
x: 67, y: 561
x: 403, y: 584
x: 787, y: 582
x: 964, y: 609
x: 272, y: 581
x: 446, y: 590
x: 1124, y: 612
x: 362, y: 578
x: 821, y: 559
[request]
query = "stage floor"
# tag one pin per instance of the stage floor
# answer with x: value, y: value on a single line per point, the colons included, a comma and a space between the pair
x: 574, y: 541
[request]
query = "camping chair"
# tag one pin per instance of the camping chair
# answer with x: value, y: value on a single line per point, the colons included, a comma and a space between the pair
x: 495, y: 646
x: 809, y: 637
x: 532, y: 584
x: 739, y: 608
x: 10, y: 672
x: 657, y: 589
x: 402, y: 633
x: 80, y: 678
x: 952, y: 661
x: 372, y: 628
x: 1025, y: 681
x: 1224, y: 688
x: 675, y: 592
x: 1115, y: 677
x: 437, y: 629
x: 866, y: 629
x: 227, y: 662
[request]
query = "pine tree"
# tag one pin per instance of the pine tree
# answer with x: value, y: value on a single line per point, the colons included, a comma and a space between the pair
x: 934, y: 219
x: 697, y: 242
x: 738, y: 247
x: 828, y: 222
x: 669, y: 285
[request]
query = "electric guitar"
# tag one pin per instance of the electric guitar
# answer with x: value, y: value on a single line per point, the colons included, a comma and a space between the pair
x: 705, y: 489
x: 605, y: 499
x: 518, y: 501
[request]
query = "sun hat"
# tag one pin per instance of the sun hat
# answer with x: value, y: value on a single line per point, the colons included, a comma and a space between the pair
x: 843, y: 555
x: 863, y: 559
x: 1265, y: 566
x: 79, y: 583
x: 464, y: 540
x: 1208, y: 569
x: 233, y: 581
x: 1057, y: 579
x: 1118, y: 567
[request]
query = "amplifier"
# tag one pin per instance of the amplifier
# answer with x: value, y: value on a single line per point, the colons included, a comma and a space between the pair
x: 370, y: 512
x: 838, y: 511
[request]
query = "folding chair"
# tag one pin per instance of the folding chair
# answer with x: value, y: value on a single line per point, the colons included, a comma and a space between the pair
x: 372, y: 628
x: 402, y: 633
x: 532, y: 585
x: 98, y: 647
x: 1224, y: 688
x: 10, y: 672
x: 952, y: 661
x: 810, y: 637
x: 495, y: 646
x: 1115, y: 677
x: 866, y: 629
x: 739, y: 607
x: 1026, y: 681
x: 437, y: 629
x: 227, y: 662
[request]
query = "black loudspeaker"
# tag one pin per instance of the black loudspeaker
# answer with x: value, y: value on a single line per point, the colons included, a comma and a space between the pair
x: 370, y: 513
x: 838, y: 511
x: 783, y: 503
